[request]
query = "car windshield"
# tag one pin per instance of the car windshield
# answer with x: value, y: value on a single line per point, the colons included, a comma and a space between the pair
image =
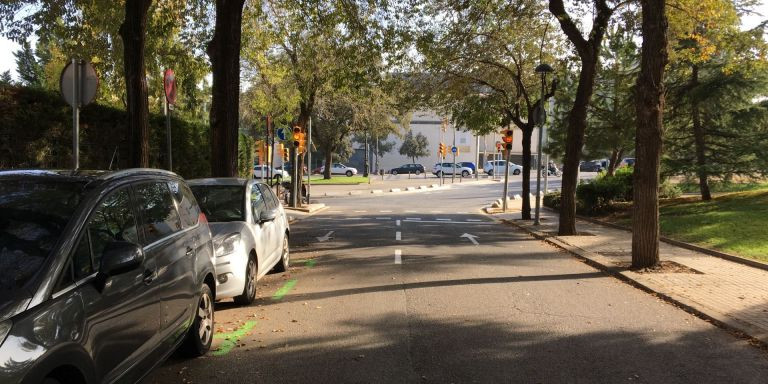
x: 221, y: 203
x: 33, y: 214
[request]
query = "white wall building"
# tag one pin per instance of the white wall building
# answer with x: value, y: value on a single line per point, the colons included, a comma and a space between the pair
x: 471, y: 148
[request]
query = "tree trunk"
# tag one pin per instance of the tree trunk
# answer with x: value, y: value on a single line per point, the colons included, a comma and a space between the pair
x: 133, y: 32
x: 699, y: 139
x: 616, y: 154
x: 577, y: 123
x: 650, y: 109
x: 328, y: 161
x: 224, y: 52
x: 527, y: 134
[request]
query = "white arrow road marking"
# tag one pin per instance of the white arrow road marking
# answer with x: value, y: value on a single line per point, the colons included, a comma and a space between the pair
x: 397, y: 222
x: 471, y: 238
x: 398, y: 256
x: 326, y: 237
x: 398, y: 235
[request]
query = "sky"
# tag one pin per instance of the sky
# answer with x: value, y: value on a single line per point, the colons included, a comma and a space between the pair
x: 8, y: 60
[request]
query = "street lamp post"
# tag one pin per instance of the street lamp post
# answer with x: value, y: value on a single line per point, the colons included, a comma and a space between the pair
x: 543, y: 69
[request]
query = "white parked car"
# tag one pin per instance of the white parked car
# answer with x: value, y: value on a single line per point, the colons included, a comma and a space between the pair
x: 340, y: 169
x: 498, y: 166
x: 250, y: 233
x: 277, y: 174
x: 448, y: 168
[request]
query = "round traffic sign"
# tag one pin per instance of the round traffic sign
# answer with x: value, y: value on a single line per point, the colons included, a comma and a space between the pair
x: 169, y: 85
x: 454, y: 149
x: 79, y: 83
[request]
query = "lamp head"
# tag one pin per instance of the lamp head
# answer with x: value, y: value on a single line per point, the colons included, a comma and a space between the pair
x: 544, y: 68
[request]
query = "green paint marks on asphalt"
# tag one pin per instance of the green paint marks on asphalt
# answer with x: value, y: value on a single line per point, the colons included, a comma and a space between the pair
x: 230, y: 339
x: 311, y: 263
x: 284, y: 289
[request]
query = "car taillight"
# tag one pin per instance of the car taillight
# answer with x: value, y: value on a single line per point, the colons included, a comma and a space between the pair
x: 202, y: 218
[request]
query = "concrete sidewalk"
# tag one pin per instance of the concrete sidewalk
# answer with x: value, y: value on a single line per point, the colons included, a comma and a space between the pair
x: 390, y: 184
x: 731, y: 294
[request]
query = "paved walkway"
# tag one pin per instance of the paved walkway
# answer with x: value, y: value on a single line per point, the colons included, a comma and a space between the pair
x: 733, y: 294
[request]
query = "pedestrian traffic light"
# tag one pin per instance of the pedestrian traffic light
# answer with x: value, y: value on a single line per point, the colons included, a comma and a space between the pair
x: 285, y: 153
x: 499, y: 146
x: 508, y: 135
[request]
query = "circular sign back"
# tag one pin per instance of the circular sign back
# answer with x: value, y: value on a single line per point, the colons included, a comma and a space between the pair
x: 86, y: 77
x: 169, y: 84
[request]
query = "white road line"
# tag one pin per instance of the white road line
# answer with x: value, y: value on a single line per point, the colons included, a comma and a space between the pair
x: 411, y: 211
x: 383, y: 218
x: 473, y: 220
x: 385, y: 211
x: 398, y: 235
x: 450, y: 222
x: 462, y: 213
x: 361, y: 211
x: 436, y: 211
x: 353, y: 218
x: 412, y: 218
x: 443, y: 219
x: 334, y: 211
x: 398, y: 256
x: 397, y: 223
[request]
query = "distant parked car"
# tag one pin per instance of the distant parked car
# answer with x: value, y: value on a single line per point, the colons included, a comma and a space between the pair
x: 288, y: 167
x: 277, y: 174
x: 469, y: 165
x: 627, y: 162
x: 590, y: 166
x: 102, y: 275
x: 340, y: 169
x: 250, y: 233
x: 498, y: 166
x: 448, y: 169
x: 416, y: 169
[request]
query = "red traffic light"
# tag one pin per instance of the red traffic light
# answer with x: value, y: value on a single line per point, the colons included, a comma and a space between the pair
x: 508, y: 135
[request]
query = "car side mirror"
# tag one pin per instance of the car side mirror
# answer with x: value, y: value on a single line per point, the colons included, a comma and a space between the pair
x: 268, y: 215
x: 120, y: 257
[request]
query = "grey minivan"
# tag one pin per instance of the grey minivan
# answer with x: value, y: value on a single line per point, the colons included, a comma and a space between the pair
x: 102, y: 275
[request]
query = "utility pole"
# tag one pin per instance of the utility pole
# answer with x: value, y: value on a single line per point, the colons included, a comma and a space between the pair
x: 309, y: 155
x: 543, y: 69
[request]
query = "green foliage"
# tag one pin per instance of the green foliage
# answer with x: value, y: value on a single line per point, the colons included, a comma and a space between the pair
x: 719, y: 186
x: 246, y: 149
x: 597, y: 196
x: 29, y: 69
x: 669, y: 190
x: 414, y: 146
x: 552, y: 200
x: 36, y: 132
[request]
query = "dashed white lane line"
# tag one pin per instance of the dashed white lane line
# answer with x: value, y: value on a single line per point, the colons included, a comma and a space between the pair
x: 397, y: 223
x: 361, y: 211
x: 462, y: 213
x: 413, y: 218
x: 436, y: 211
x: 383, y: 218
x: 385, y: 211
x: 411, y: 211
x: 474, y: 220
x: 334, y: 211
x: 398, y: 235
x: 443, y: 219
x: 398, y: 256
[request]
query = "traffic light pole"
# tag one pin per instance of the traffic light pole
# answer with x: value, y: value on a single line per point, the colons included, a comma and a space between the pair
x: 295, y: 182
x: 309, y: 155
x: 506, y: 183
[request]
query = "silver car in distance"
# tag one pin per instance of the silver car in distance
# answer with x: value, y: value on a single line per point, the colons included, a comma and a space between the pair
x: 250, y: 233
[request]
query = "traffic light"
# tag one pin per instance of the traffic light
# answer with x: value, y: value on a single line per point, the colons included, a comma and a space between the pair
x: 457, y: 151
x: 285, y: 153
x: 499, y: 146
x: 508, y: 135
x: 441, y: 150
x: 299, y: 139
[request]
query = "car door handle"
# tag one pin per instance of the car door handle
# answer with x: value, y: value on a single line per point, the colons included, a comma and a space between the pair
x: 149, y: 276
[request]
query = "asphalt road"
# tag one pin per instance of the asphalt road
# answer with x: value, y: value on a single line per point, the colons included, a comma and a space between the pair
x: 392, y: 289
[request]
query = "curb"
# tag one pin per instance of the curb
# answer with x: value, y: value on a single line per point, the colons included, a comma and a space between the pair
x: 313, y: 208
x: 734, y: 326
x: 689, y: 246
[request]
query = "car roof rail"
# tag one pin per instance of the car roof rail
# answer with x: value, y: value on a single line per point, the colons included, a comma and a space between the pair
x: 137, y: 171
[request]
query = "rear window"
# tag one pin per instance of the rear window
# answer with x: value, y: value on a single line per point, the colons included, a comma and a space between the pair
x: 33, y: 214
x: 221, y: 203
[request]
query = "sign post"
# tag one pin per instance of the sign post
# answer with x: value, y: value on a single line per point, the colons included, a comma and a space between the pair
x: 169, y: 85
x: 508, y: 136
x: 79, y: 84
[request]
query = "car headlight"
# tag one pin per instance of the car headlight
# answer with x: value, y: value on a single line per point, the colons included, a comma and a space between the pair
x: 5, y: 328
x: 226, y: 245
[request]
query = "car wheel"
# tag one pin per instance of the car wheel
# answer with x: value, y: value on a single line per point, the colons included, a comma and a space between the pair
x: 464, y: 173
x: 490, y: 173
x: 394, y: 173
x: 516, y: 172
x: 418, y: 172
x: 249, y: 288
x: 349, y: 173
x: 285, y: 258
x: 200, y: 334
x: 439, y: 174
